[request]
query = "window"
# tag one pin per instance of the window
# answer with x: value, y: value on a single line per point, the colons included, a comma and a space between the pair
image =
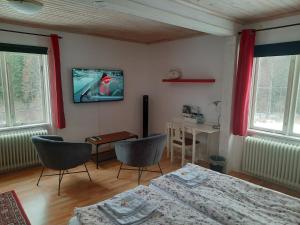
x: 275, y: 97
x: 23, y: 89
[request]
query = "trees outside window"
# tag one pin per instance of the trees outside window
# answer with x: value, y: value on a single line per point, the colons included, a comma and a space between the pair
x: 23, y: 89
x: 275, y: 101
x: 2, y: 105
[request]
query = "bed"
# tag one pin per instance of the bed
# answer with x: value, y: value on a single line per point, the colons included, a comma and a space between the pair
x: 214, y: 199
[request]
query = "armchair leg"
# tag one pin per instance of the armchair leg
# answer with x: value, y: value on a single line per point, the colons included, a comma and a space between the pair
x: 40, y: 176
x: 140, y: 174
x: 119, y: 170
x: 172, y: 151
x: 87, y: 172
x: 60, y: 177
x: 160, y: 169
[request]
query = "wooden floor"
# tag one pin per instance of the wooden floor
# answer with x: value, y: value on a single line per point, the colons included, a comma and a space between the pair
x: 43, y: 206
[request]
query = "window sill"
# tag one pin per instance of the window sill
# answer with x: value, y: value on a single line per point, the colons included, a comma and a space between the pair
x: 44, y: 125
x: 281, y: 137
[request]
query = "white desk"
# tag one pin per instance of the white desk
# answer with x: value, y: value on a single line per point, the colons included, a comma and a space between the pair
x: 194, y: 129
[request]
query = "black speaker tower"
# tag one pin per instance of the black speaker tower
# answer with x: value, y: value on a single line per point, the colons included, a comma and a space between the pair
x: 145, y: 115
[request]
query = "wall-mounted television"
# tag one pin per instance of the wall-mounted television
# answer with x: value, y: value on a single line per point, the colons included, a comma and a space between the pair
x: 97, y: 85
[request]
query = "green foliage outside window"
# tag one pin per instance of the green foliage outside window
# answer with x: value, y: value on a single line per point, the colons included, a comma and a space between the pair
x: 23, y: 100
x: 24, y: 76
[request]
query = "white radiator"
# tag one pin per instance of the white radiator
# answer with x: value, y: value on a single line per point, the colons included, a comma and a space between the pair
x: 273, y: 160
x: 16, y: 149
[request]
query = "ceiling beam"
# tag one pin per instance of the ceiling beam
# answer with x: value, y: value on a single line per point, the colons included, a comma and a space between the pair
x: 174, y: 13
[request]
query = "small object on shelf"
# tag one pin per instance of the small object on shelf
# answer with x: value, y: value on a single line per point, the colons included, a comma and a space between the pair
x: 174, y: 74
x: 186, y: 80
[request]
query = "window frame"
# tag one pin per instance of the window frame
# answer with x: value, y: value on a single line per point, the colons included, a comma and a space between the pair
x: 293, y: 90
x: 295, y: 94
x: 10, y: 119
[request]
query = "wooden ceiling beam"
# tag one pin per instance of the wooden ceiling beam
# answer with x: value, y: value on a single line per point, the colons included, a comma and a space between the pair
x: 174, y: 13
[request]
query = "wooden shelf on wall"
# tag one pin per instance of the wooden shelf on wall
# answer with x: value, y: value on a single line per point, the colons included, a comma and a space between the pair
x: 186, y: 80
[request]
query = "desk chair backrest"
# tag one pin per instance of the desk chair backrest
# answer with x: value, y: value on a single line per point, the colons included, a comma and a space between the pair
x: 177, y: 132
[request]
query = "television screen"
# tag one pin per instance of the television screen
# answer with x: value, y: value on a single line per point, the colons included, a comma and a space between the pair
x: 97, y: 85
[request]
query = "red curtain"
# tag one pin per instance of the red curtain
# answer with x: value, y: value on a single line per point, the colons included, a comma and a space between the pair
x: 57, y: 105
x: 243, y: 83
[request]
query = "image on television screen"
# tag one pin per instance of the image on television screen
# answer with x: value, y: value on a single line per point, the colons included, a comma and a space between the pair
x: 97, y: 85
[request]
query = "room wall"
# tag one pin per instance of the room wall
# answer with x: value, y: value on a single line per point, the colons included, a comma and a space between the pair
x: 96, y: 118
x: 198, y: 57
x: 144, y: 67
x: 89, y: 119
x: 215, y: 56
x: 234, y: 147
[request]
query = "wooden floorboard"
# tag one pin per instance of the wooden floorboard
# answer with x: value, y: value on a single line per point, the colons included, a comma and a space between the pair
x: 43, y: 206
x: 264, y: 183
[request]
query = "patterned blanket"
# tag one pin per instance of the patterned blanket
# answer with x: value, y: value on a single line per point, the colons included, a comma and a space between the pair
x: 169, y: 212
x: 229, y: 200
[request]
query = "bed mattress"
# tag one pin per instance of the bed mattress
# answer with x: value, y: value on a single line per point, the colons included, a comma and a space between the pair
x: 229, y: 200
x: 217, y: 199
x: 169, y: 211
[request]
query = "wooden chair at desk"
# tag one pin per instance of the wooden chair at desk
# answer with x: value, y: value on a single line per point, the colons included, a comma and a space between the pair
x: 179, y: 140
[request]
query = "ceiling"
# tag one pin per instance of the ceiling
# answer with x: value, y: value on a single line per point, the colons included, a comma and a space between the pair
x: 84, y: 16
x: 247, y: 11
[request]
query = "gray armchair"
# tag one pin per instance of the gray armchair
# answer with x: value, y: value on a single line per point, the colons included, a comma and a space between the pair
x: 56, y: 154
x: 141, y: 153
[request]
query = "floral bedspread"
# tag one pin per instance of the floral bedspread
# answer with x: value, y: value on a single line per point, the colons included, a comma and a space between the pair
x: 169, y: 212
x: 229, y: 200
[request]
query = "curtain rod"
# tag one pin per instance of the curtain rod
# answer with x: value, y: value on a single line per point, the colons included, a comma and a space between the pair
x: 278, y: 27
x: 29, y: 33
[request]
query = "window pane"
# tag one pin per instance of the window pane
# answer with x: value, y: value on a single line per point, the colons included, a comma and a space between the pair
x: 2, y: 106
x: 271, y: 91
x: 296, y: 128
x: 25, y: 79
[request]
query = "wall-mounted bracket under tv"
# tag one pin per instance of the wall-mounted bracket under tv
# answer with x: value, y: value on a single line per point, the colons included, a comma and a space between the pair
x: 97, y: 85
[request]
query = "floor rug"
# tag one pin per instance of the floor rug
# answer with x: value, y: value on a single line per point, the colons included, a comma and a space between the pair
x: 11, y: 210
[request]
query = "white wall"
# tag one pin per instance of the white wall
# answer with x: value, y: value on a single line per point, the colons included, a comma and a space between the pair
x: 278, y: 35
x: 234, y: 147
x: 96, y: 118
x: 229, y: 68
x: 144, y: 67
x: 88, y: 119
x: 198, y: 57
x: 215, y: 56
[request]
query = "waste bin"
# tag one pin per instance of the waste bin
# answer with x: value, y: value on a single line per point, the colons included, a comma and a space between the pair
x: 217, y: 163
